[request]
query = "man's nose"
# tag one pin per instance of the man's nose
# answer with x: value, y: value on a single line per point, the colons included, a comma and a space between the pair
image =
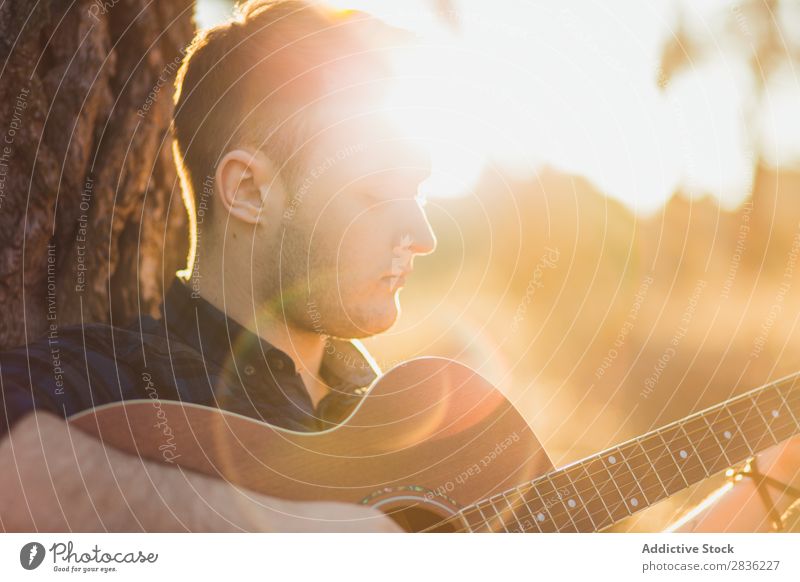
x: 423, y: 240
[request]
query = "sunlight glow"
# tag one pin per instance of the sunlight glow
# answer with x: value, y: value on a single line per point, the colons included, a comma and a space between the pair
x: 576, y: 86
x: 579, y: 86
x: 712, y: 498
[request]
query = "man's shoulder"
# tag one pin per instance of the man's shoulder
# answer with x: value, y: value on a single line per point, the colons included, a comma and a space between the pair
x: 76, y: 367
x: 72, y: 355
x: 95, y: 359
x: 92, y: 340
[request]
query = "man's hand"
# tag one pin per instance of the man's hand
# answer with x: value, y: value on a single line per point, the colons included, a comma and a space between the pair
x: 56, y: 478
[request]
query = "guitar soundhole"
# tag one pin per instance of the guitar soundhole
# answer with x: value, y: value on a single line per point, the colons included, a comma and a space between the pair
x: 414, y: 518
x: 416, y: 508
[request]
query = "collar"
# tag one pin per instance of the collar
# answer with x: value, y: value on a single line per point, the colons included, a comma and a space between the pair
x: 266, y: 373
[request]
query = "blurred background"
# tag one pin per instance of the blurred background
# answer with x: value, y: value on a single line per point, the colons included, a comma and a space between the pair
x: 616, y: 194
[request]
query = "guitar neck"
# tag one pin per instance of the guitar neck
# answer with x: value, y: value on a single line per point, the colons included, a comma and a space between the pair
x: 596, y: 492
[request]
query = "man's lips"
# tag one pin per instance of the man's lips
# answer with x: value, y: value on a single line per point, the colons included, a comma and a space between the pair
x: 397, y: 280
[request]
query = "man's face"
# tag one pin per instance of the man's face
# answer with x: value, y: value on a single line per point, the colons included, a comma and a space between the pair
x: 351, y: 225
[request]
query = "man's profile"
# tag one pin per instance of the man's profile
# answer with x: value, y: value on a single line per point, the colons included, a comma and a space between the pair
x: 304, y: 199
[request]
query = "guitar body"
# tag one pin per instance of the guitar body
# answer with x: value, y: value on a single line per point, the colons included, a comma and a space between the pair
x: 431, y: 437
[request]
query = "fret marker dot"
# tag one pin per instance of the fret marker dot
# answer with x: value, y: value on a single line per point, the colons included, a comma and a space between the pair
x: 540, y: 517
x: 727, y: 434
x: 634, y: 501
x: 683, y: 454
x: 775, y: 414
x: 612, y: 459
x: 571, y: 503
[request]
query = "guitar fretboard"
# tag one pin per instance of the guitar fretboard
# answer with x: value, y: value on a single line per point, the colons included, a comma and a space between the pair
x: 596, y: 492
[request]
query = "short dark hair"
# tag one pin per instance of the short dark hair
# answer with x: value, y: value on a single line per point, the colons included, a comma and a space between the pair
x: 246, y: 82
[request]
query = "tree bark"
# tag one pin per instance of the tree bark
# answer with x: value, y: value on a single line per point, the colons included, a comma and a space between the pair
x: 91, y: 220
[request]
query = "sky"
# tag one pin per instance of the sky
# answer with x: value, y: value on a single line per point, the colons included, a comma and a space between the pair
x: 575, y: 85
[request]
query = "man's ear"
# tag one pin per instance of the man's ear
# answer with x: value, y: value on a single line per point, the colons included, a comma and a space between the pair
x: 247, y: 181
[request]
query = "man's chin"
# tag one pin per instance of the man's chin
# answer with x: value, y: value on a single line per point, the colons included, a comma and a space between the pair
x: 374, y: 321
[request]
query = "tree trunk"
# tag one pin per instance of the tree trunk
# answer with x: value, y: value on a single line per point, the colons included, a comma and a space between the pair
x: 91, y: 220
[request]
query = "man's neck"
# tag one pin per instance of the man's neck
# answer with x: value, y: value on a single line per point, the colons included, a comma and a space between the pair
x: 305, y: 347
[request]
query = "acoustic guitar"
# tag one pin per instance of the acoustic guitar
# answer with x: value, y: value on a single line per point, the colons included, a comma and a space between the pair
x: 438, y: 448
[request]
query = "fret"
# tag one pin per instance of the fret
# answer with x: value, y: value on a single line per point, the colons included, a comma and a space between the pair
x: 559, y: 500
x: 513, y: 523
x: 712, y: 430
x: 592, y: 499
x: 600, y: 518
x: 629, y: 490
x: 509, y: 518
x: 500, y: 509
x: 788, y: 407
x: 572, y: 501
x: 752, y: 425
x: 721, y: 461
x: 694, y: 448
x: 524, y: 517
x: 597, y: 469
x: 765, y: 417
x: 487, y: 512
x: 684, y: 454
x: 708, y: 448
x: 739, y: 438
x: 552, y: 502
x: 610, y: 486
x: 482, y: 522
x: 463, y: 515
x: 663, y: 463
x: 499, y: 518
x: 538, y: 509
x: 632, y: 492
x: 747, y: 424
x: 652, y: 466
x: 729, y: 434
x: 651, y: 482
x: 772, y: 408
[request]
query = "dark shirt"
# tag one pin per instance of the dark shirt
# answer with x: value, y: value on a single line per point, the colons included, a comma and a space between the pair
x: 193, y: 353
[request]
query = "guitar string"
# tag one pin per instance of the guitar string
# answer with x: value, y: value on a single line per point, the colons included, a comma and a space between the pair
x: 640, y: 486
x: 652, y: 492
x: 747, y: 397
x: 521, y: 490
x: 628, y: 485
x: 639, y: 440
x: 489, y: 503
x: 555, y: 517
x: 486, y: 522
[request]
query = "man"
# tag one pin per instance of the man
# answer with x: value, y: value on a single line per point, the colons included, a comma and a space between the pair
x: 304, y: 198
